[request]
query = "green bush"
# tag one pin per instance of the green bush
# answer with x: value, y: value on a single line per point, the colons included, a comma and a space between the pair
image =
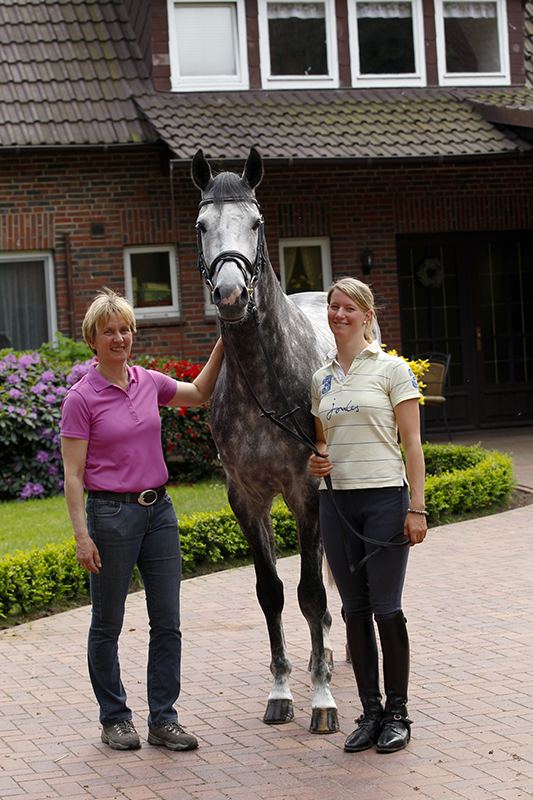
x: 487, y: 483
x: 40, y: 578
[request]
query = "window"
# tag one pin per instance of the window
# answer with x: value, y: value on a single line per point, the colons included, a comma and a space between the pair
x: 298, y: 43
x: 151, y: 281
x: 207, y: 45
x: 472, y: 44
x: 305, y: 265
x: 27, y: 300
x: 387, y: 43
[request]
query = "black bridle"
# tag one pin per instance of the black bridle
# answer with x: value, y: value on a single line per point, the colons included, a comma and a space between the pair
x: 250, y: 272
x: 253, y: 271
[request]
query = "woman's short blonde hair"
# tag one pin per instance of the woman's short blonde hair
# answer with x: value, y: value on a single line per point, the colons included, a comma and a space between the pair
x: 105, y: 304
x: 362, y: 295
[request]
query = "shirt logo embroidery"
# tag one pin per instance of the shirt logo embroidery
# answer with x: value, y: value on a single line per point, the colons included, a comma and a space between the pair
x: 349, y: 407
x: 414, y: 382
x: 326, y: 384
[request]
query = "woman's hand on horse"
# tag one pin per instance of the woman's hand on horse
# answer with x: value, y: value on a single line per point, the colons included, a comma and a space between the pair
x: 319, y: 466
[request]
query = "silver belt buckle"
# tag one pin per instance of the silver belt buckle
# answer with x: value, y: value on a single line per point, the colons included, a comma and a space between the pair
x: 147, y: 498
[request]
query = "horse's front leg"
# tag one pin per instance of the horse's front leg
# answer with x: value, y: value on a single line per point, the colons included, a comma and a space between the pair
x: 313, y: 603
x: 269, y: 589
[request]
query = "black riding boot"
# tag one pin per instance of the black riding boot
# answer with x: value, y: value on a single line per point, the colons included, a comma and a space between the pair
x: 361, y: 639
x: 396, y: 725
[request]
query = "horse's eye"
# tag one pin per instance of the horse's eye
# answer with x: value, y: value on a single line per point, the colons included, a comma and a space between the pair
x: 256, y: 224
x: 200, y: 227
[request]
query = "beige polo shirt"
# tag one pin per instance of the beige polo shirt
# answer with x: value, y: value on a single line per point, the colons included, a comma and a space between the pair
x: 357, y: 415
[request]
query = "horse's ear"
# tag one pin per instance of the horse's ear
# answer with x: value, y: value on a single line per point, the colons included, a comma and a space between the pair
x: 253, y: 169
x: 201, y: 171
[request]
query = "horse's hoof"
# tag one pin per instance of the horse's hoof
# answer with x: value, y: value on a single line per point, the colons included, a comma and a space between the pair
x: 278, y: 712
x: 324, y: 720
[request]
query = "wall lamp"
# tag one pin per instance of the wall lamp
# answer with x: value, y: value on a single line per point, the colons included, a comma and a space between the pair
x: 367, y: 260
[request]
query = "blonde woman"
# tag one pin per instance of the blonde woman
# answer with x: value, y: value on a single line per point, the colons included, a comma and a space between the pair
x: 361, y: 400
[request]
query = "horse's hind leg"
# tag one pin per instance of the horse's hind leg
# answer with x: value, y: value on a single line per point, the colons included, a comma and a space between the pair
x: 269, y: 589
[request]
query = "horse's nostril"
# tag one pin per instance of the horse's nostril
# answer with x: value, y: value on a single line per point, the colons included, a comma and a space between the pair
x: 216, y: 297
x: 244, y: 295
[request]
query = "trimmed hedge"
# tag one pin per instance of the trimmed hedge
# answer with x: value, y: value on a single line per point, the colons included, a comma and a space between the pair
x: 461, y: 479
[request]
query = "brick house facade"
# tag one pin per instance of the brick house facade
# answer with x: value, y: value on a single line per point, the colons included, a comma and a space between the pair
x: 87, y: 197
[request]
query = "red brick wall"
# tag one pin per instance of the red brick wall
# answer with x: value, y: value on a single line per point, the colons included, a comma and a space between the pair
x: 48, y: 197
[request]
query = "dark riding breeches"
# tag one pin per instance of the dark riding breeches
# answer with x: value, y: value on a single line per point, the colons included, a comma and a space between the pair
x: 377, y: 587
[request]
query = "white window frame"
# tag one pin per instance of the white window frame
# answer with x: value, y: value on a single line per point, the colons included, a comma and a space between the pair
x: 416, y: 78
x: 49, y: 282
x: 154, y: 312
x: 331, y: 80
x: 312, y: 241
x: 192, y: 83
x: 500, y: 78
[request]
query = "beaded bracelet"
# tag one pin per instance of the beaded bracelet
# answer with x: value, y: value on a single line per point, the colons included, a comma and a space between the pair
x: 417, y: 511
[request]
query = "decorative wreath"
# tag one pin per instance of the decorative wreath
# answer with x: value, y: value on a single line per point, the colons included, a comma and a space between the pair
x: 430, y: 273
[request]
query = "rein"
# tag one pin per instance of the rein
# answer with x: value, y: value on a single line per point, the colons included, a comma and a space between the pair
x: 254, y: 271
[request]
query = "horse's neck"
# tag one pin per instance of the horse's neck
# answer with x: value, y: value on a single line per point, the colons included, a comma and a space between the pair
x: 268, y: 321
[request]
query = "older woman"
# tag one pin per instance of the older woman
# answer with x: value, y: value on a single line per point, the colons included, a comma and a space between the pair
x: 111, y: 446
x: 361, y: 399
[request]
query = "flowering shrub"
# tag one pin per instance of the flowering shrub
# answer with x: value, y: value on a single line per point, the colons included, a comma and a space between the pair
x: 31, y: 391
x: 189, y: 450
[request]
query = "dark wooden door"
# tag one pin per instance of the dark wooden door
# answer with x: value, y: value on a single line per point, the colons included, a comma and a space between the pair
x: 472, y: 296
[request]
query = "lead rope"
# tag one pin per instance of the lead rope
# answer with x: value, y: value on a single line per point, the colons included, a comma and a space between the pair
x: 304, y: 439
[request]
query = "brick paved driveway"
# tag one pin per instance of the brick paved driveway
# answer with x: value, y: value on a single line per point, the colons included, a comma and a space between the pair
x: 469, y: 604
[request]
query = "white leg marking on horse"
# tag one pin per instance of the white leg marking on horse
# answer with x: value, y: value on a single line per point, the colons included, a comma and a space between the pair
x: 323, y: 698
x: 280, y: 690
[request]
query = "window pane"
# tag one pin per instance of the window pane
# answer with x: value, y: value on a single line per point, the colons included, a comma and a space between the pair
x: 150, y: 279
x: 207, y: 39
x: 471, y: 34
x: 23, y: 315
x: 385, y: 35
x: 297, y: 39
x: 303, y: 269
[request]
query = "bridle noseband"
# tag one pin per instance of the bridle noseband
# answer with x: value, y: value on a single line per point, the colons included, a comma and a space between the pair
x: 250, y: 272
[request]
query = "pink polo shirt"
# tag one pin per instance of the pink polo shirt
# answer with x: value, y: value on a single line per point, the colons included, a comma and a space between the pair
x: 123, y: 429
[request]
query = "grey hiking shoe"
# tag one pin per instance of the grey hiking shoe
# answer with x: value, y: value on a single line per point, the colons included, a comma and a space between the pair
x: 172, y: 735
x: 121, y: 735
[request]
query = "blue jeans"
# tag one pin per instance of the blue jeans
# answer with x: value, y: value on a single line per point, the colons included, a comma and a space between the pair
x: 127, y: 534
x: 378, y: 513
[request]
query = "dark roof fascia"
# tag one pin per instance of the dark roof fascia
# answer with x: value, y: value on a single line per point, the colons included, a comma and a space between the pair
x: 372, y: 162
x: 502, y: 115
x: 71, y: 148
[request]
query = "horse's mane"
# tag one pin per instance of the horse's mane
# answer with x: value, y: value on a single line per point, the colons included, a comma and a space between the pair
x: 228, y: 185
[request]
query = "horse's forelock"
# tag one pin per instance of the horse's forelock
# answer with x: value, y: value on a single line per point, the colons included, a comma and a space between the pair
x: 228, y: 185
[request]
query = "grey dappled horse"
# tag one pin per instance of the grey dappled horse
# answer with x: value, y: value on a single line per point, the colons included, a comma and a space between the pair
x: 270, y: 350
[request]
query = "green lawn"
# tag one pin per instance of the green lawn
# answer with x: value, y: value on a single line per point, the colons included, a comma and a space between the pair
x: 34, y: 523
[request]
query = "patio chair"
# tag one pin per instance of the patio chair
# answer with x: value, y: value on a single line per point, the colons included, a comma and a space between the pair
x: 436, y: 381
